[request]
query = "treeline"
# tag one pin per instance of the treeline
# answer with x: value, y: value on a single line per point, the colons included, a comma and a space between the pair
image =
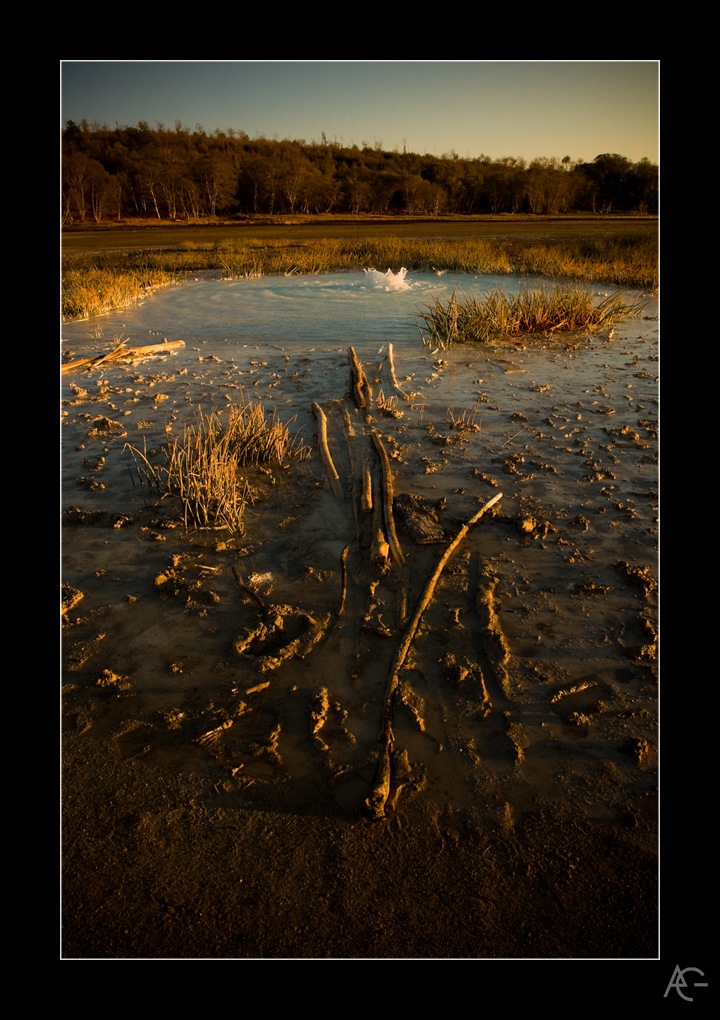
x: 130, y: 172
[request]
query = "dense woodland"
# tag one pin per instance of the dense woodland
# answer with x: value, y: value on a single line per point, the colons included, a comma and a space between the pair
x: 121, y: 173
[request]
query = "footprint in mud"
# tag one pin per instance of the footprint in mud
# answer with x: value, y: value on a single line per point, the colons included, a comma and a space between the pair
x: 135, y: 741
x: 283, y: 633
x: 578, y: 703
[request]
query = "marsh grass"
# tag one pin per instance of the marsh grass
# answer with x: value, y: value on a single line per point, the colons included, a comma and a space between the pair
x: 203, y: 469
x: 626, y: 260
x: 92, y: 285
x: 503, y: 316
x: 94, y: 289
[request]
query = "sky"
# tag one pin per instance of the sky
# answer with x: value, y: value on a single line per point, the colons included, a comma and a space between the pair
x: 525, y: 109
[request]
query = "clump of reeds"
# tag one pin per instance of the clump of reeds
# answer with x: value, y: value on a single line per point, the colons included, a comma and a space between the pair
x: 203, y: 469
x: 500, y: 316
x: 93, y: 290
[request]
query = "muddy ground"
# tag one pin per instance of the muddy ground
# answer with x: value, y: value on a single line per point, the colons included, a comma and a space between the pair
x: 223, y: 698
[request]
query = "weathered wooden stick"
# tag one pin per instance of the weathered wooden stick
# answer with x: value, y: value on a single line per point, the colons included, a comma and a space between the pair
x: 349, y: 427
x: 121, y: 353
x: 97, y: 360
x: 391, y: 370
x: 362, y: 394
x: 248, y: 591
x: 111, y: 355
x: 366, y: 501
x: 327, y: 460
x: 355, y: 469
x: 375, y: 803
x: 427, y: 594
x: 343, y: 571
x: 387, y: 498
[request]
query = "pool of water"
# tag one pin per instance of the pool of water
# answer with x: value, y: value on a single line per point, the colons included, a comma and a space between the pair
x: 298, y: 311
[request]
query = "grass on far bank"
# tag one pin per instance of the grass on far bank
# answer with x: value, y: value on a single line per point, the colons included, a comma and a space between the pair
x: 92, y: 285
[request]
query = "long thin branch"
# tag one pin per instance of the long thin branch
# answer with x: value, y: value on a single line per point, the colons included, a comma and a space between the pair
x: 375, y: 803
x: 391, y: 370
x: 249, y: 591
x: 361, y: 391
x: 343, y: 581
x: 387, y: 501
x: 330, y: 468
x: 121, y: 353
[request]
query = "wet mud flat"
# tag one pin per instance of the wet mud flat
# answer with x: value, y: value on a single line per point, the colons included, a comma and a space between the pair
x: 225, y: 698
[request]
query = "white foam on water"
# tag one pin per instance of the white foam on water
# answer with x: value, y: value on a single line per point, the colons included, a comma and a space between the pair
x: 388, y: 280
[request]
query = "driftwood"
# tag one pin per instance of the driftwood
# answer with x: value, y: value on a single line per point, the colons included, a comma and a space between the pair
x: 249, y: 591
x: 355, y: 469
x: 344, y: 582
x: 121, y: 353
x: 327, y: 460
x: 393, y: 377
x: 387, y: 500
x: 366, y: 499
x: 360, y: 387
x: 376, y: 801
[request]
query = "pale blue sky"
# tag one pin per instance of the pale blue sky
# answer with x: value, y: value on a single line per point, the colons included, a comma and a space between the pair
x: 494, y: 108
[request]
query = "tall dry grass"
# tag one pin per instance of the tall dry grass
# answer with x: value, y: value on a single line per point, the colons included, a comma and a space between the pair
x: 203, y: 469
x: 94, y: 285
x: 503, y: 316
x: 93, y: 290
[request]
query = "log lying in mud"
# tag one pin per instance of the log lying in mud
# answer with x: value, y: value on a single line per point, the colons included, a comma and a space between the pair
x: 375, y: 803
x: 122, y: 353
x: 366, y: 499
x: 325, y: 455
x: 387, y: 500
x: 359, y: 386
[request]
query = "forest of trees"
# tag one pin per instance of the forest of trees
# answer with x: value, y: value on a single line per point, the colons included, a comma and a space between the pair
x: 130, y: 172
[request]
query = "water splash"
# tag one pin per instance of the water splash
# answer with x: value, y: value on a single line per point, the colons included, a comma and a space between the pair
x: 388, y: 280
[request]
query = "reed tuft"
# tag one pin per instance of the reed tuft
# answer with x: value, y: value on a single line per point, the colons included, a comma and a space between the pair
x: 203, y: 470
x: 503, y: 316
